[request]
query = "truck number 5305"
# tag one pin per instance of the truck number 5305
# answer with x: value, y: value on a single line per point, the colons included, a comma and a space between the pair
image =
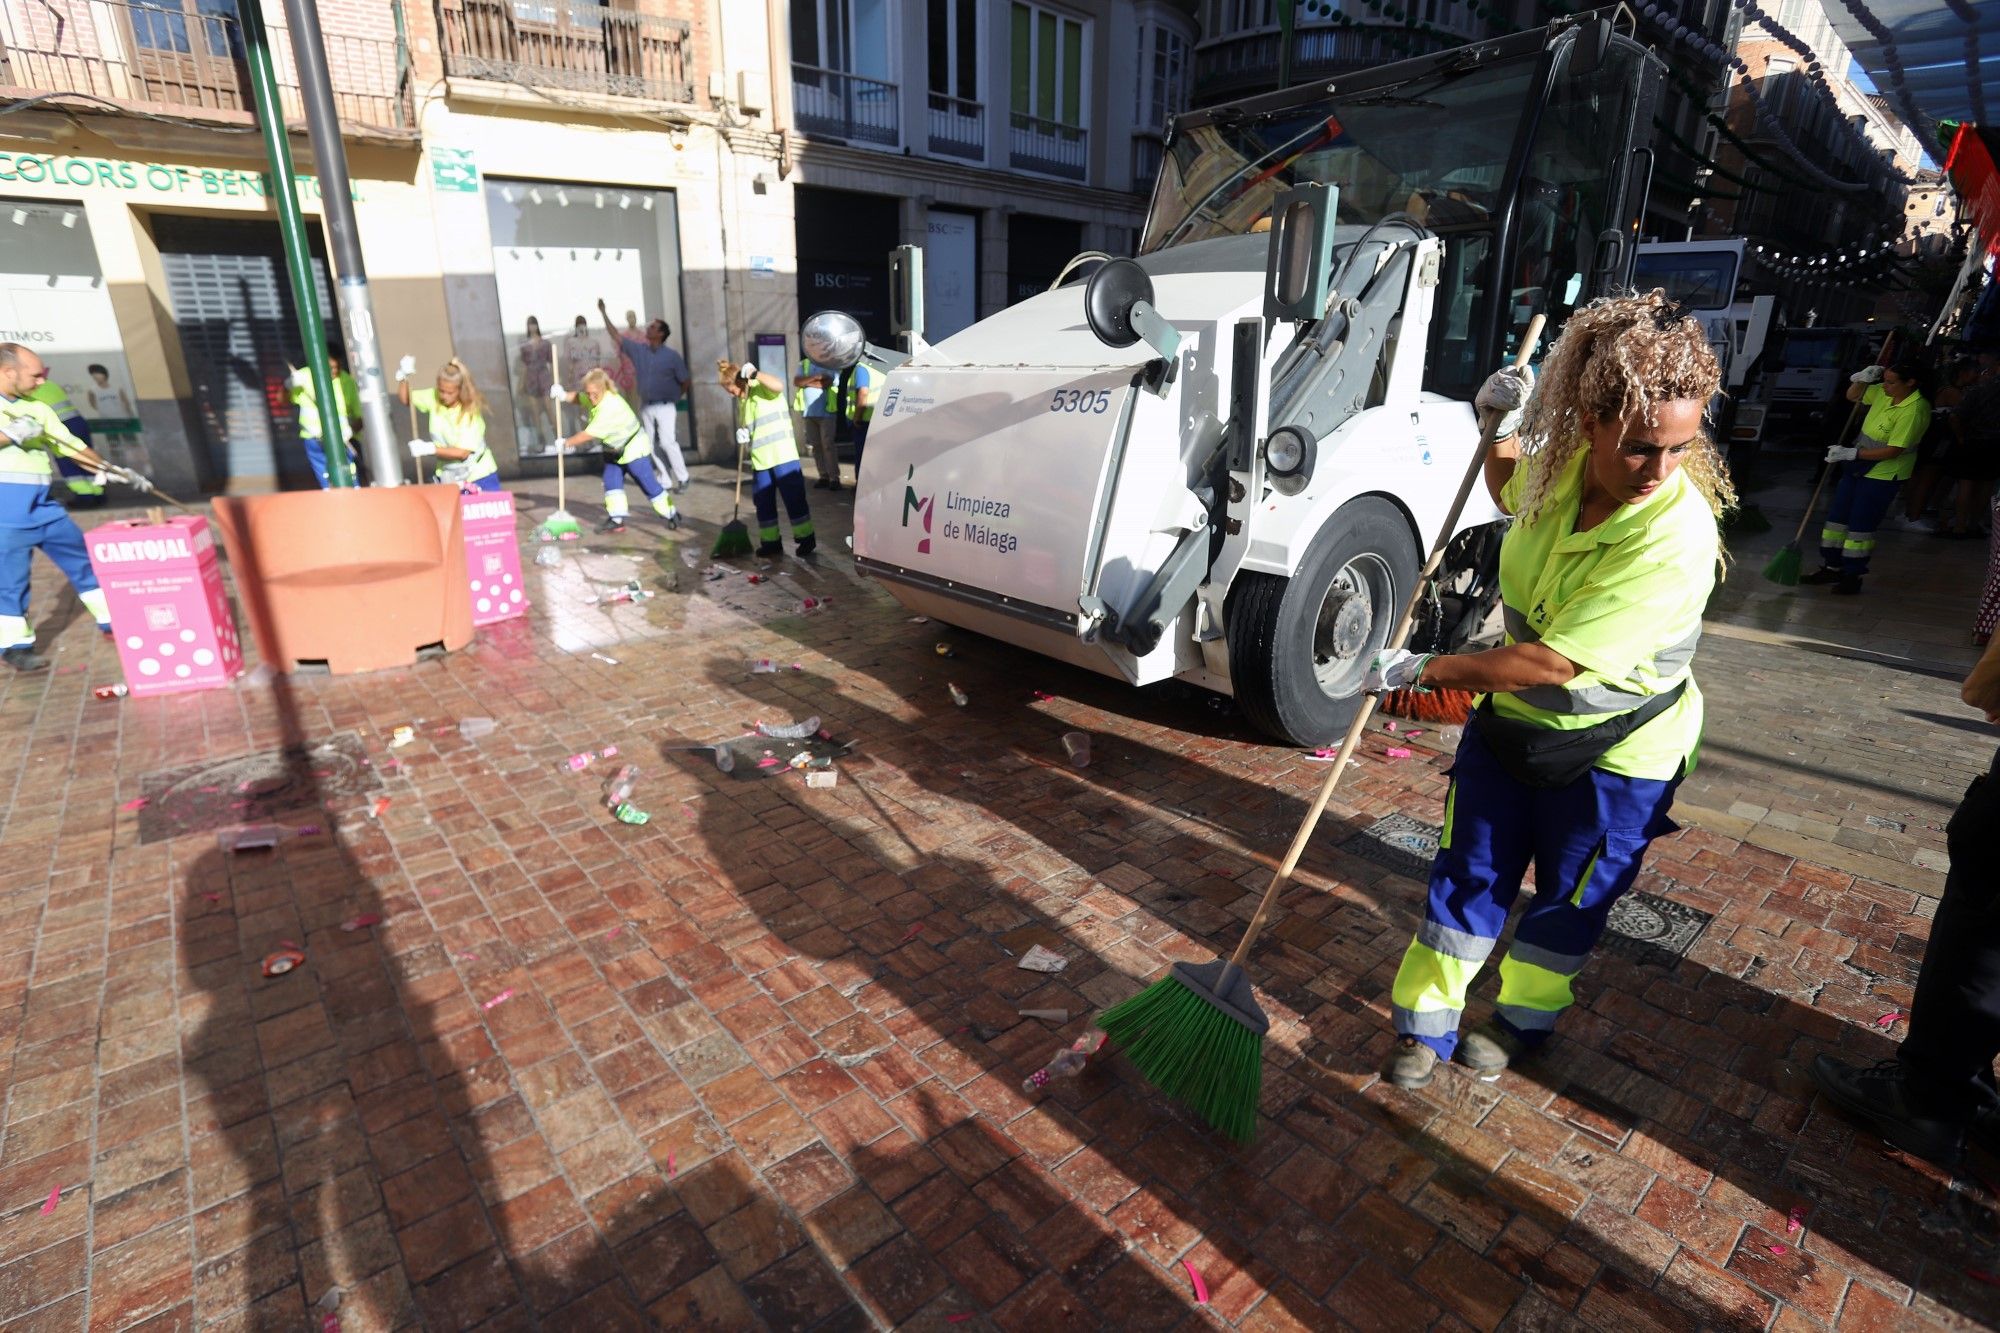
x: 1081, y: 400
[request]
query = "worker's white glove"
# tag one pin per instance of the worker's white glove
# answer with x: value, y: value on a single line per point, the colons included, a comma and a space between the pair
x: 1842, y: 453
x: 422, y: 449
x: 561, y: 444
x: 1395, y: 669
x: 20, y: 429
x: 138, y: 481
x: 556, y: 392
x: 747, y: 373
x: 302, y: 378
x: 1867, y: 375
x: 1506, y: 392
x: 406, y: 368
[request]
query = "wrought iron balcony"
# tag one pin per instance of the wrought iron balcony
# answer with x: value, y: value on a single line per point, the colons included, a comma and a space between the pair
x: 833, y: 104
x: 1048, y: 146
x: 1148, y: 152
x: 579, y: 48
x: 957, y: 127
x: 186, y: 58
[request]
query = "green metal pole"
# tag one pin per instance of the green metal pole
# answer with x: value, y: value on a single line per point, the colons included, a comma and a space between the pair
x: 1287, y: 18
x: 292, y: 230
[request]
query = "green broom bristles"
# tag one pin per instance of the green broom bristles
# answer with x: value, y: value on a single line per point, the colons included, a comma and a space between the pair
x: 734, y: 539
x: 1784, y: 566
x: 1192, y: 1051
x: 560, y: 524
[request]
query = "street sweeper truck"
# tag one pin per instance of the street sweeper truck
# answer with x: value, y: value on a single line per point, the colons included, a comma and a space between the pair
x: 1220, y: 460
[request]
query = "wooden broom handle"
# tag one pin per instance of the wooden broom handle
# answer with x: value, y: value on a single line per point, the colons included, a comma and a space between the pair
x: 1366, y: 711
x: 1846, y: 433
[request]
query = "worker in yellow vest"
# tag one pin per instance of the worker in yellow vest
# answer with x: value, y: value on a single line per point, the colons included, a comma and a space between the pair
x: 812, y: 400
x: 863, y: 385
x: 305, y: 403
x: 86, y: 491
x: 31, y: 437
x: 764, y: 429
x: 613, y: 425
x: 457, y: 413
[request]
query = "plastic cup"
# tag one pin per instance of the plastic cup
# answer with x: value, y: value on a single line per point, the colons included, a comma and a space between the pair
x: 1076, y: 744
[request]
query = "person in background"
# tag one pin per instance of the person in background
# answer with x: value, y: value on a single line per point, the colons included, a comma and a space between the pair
x: 660, y: 378
x: 457, y: 413
x: 1938, y: 1091
x: 350, y: 392
x: 1940, y: 442
x: 581, y: 354
x: 622, y: 374
x: 1877, y: 462
x: 538, y: 376
x: 863, y: 383
x: 764, y: 430
x: 812, y: 389
x: 1974, y: 461
x: 30, y: 433
x: 105, y: 398
x: 311, y: 432
x: 628, y: 451
x: 85, y: 490
x: 1988, y: 617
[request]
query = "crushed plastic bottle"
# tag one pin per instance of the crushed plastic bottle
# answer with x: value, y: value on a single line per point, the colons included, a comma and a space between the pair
x: 548, y: 557
x: 763, y: 666
x: 109, y: 692
x: 790, y: 731
x: 958, y: 696
x: 472, y: 728
x: 618, y: 789
x: 629, y: 814
x: 1068, y: 1062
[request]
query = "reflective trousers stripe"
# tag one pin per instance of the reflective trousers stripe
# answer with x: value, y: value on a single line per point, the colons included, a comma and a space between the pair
x: 15, y: 632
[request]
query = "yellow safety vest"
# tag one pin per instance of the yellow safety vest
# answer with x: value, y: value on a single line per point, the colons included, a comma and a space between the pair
x: 54, y: 396
x: 458, y: 427
x: 863, y: 378
x: 611, y: 421
x: 308, y: 411
x: 769, y: 420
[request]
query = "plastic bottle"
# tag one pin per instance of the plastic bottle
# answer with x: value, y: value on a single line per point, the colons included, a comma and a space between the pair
x: 1070, y: 1061
x: 472, y: 728
x: 958, y: 696
x: 623, y: 783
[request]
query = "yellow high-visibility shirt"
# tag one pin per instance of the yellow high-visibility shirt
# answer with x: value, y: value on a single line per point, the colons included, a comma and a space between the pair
x: 611, y: 421
x: 1900, y: 426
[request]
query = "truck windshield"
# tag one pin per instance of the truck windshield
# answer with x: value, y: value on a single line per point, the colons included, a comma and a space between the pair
x: 1434, y: 147
x: 1805, y: 352
x: 1699, y: 281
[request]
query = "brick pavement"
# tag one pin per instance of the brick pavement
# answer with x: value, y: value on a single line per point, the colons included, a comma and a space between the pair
x: 758, y: 1063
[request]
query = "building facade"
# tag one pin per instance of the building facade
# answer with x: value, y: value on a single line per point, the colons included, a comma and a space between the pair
x: 510, y: 162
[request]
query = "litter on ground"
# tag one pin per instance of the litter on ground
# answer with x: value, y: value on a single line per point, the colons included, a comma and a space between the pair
x: 1038, y: 959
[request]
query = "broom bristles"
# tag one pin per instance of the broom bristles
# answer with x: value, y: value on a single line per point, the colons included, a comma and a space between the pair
x: 1193, y: 1052
x: 1444, y: 708
x: 734, y: 539
x: 1784, y: 566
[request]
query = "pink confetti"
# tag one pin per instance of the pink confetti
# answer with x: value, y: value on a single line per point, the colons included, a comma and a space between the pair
x: 329, y: 1323
x: 288, y: 944
x: 1045, y: 697
x: 213, y: 897
x: 1326, y: 752
x: 1795, y: 1221
x: 1779, y: 1249
x: 1200, y: 1287
x: 911, y: 933
x: 1981, y: 1275
x: 467, y: 957
x: 1889, y: 1019
x: 138, y: 803
x: 501, y: 998
x: 609, y: 752
x: 308, y: 830
x: 381, y: 804
x: 1397, y: 752
x: 55, y: 1194
x: 767, y: 763
x: 1390, y: 727
x: 616, y: 931
x: 956, y: 1318
x: 362, y: 922
x: 672, y: 1169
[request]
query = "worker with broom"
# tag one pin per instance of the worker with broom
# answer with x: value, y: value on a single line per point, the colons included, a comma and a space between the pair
x: 1591, y: 717
x: 457, y: 413
x: 1878, y: 461
x: 764, y: 434
x: 630, y: 450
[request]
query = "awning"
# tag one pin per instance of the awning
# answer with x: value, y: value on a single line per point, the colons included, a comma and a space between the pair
x: 1946, y: 79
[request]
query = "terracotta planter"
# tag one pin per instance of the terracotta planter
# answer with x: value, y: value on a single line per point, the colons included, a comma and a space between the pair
x: 358, y: 579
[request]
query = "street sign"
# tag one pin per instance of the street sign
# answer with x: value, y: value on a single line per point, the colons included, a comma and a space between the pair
x: 453, y: 170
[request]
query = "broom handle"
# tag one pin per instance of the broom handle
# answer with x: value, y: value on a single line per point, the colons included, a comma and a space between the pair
x: 562, y: 451
x: 1366, y: 711
x: 1846, y: 433
x: 736, y: 506
x: 413, y: 435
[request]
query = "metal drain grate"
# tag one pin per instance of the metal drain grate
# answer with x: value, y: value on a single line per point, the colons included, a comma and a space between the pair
x: 1643, y: 926
x: 253, y: 788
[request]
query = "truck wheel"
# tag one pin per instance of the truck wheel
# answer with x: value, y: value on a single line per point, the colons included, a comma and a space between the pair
x: 1299, y: 646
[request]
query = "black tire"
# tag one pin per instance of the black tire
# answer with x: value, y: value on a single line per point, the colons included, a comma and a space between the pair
x: 1280, y: 653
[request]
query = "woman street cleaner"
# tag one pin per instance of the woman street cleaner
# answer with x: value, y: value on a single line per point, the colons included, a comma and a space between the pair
x: 457, y: 414
x: 1591, y: 716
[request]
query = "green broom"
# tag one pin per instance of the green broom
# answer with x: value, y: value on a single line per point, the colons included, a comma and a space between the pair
x: 734, y: 539
x: 560, y: 523
x: 1783, y: 568
x: 1197, y: 1034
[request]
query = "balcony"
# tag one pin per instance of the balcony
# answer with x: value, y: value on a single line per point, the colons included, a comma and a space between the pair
x: 1148, y: 152
x: 832, y: 104
x: 185, y: 58
x: 957, y: 128
x: 1238, y: 64
x: 575, y: 48
x: 1049, y: 147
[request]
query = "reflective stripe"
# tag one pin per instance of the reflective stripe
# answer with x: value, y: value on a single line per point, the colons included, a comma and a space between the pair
x: 1460, y: 944
x: 14, y: 632
x: 1450, y: 811
x: 1427, y: 981
x: 1589, y: 869
x: 1532, y: 996
x: 1434, y: 1023
x: 1668, y: 663
x: 663, y: 504
x: 26, y: 478
x: 1518, y: 628
x: 615, y: 503
x: 1529, y: 1020
x: 1564, y: 964
x: 95, y: 602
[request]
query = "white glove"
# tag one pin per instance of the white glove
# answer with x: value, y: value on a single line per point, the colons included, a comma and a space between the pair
x: 1842, y: 453
x: 406, y: 368
x: 422, y: 449
x: 560, y: 445
x: 746, y: 373
x: 138, y: 481
x: 302, y: 378
x: 1395, y: 669
x: 556, y: 392
x: 1506, y: 392
x: 20, y: 429
x: 1868, y: 375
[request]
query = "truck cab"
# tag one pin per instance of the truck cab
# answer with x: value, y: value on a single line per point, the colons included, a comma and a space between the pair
x: 1220, y: 460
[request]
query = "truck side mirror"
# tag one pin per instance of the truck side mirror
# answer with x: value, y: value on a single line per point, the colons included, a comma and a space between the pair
x: 906, y: 290
x: 1593, y: 43
x: 1299, y: 263
x: 834, y: 339
x: 1108, y: 300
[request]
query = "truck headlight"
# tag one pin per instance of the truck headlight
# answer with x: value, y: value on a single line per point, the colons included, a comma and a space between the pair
x: 1288, y: 456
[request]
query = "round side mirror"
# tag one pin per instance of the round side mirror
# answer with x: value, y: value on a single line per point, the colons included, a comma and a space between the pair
x: 1108, y: 299
x: 833, y: 338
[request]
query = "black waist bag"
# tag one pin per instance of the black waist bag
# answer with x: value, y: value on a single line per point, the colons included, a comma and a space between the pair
x: 1550, y: 757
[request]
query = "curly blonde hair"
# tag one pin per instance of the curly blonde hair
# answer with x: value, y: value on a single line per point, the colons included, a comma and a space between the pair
x: 1618, y: 358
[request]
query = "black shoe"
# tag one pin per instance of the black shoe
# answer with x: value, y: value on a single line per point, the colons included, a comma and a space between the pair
x: 835, y: 487
x: 770, y: 549
x: 611, y: 525
x: 821, y: 484
x: 1824, y: 574
x: 1848, y: 587
x: 23, y: 658
x: 1880, y: 1097
x: 807, y: 545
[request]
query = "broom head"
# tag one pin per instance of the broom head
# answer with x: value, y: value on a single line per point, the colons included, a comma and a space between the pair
x: 560, y: 524
x: 1197, y: 1035
x: 1784, y: 566
x: 734, y: 539
x: 1444, y: 708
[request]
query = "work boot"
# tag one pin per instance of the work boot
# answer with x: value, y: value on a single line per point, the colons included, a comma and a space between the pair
x: 1849, y: 586
x: 770, y: 550
x: 1412, y: 1065
x: 611, y: 524
x: 1488, y: 1049
x: 821, y: 484
x: 1824, y: 574
x: 807, y: 545
x: 1880, y: 1097
x: 22, y: 658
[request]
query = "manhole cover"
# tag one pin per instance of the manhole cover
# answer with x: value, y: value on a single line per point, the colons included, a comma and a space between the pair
x: 1643, y: 926
x: 253, y: 788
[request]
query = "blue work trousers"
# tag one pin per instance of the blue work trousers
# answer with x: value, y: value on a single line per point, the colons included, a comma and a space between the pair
x: 1847, y: 539
x: 787, y: 480
x: 316, y: 455
x: 61, y: 540
x: 1585, y: 841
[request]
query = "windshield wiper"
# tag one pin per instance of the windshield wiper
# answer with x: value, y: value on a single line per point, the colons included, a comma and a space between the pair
x: 1392, y: 99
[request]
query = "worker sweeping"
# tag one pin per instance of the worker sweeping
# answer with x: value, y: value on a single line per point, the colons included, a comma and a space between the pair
x: 1878, y: 461
x: 86, y: 488
x: 32, y: 436
x: 628, y: 448
x: 305, y: 401
x: 764, y: 429
x: 1591, y: 717
x: 457, y: 413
